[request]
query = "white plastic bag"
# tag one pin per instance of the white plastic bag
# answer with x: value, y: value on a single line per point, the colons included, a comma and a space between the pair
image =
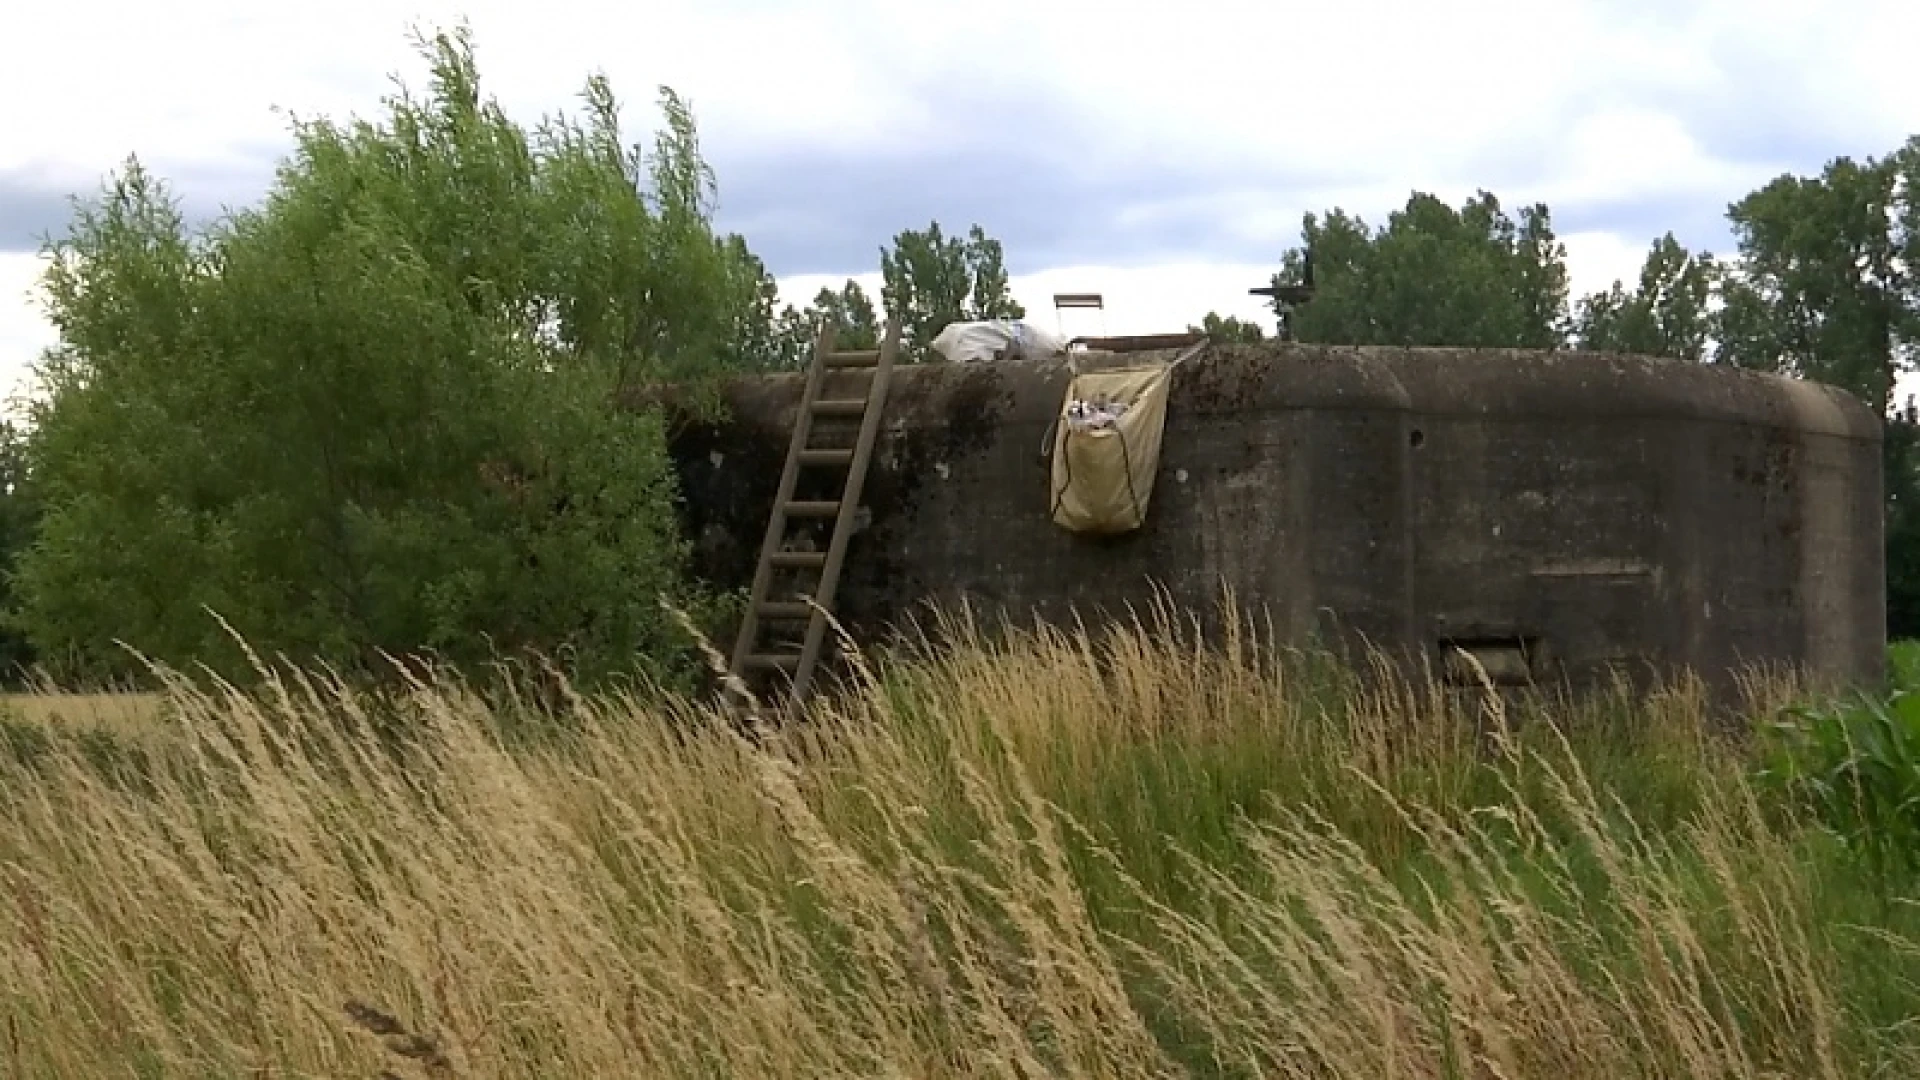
x: 994, y: 340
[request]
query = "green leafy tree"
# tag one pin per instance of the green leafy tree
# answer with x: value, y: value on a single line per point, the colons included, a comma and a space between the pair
x: 1433, y: 275
x: 1823, y: 287
x: 1900, y: 472
x: 930, y: 280
x: 795, y: 330
x: 761, y: 339
x: 1667, y: 314
x: 19, y: 523
x: 374, y: 413
x: 851, y: 314
x: 1228, y: 329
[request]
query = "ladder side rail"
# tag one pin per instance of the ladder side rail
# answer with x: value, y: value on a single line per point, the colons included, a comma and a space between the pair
x: 849, y: 509
x: 777, y: 519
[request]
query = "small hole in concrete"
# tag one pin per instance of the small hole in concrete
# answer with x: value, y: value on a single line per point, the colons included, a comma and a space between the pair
x: 1416, y: 437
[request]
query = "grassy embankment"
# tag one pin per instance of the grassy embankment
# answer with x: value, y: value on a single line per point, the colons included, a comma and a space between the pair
x: 1054, y: 856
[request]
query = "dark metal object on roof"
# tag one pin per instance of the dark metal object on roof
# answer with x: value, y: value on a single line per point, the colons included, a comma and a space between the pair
x: 1139, y: 342
x: 1288, y: 297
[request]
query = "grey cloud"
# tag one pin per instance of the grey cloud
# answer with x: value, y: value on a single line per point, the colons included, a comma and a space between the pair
x: 34, y: 210
x: 828, y: 213
x: 818, y: 213
x: 1775, y: 101
x: 1035, y: 177
x: 1785, y: 139
x: 30, y: 213
x: 1032, y: 173
x: 1699, y: 225
x: 1772, y: 111
x: 809, y: 211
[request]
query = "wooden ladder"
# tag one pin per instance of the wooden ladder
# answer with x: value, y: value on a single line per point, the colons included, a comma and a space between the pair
x: 752, y: 654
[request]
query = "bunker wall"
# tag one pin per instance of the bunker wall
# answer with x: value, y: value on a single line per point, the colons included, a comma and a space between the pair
x: 1572, y: 513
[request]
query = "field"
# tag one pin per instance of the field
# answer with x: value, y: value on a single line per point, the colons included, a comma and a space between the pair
x: 130, y: 716
x: 1051, y: 856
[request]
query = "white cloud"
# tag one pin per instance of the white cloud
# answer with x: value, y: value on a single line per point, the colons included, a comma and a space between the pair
x: 1637, y: 152
x: 24, y: 331
x: 1368, y: 86
x: 1595, y: 260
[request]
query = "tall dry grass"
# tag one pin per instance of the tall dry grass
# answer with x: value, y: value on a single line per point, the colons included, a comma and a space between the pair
x: 1052, y: 855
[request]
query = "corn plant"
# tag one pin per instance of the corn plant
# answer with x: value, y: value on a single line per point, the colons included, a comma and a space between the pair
x: 1855, y: 764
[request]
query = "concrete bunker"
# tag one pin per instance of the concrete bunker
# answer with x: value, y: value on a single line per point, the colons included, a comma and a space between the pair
x: 1561, y: 515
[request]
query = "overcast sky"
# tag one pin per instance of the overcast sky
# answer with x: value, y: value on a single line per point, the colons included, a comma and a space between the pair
x: 1162, y: 155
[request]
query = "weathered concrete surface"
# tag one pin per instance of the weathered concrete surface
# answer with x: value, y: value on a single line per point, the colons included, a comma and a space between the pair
x: 1604, y: 512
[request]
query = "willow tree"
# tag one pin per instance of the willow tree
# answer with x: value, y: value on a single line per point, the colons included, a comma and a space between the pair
x: 374, y: 412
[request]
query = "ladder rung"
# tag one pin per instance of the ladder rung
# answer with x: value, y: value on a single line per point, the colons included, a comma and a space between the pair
x: 813, y: 509
x: 826, y: 457
x: 781, y: 661
x: 776, y: 609
x: 855, y: 407
x: 799, y: 560
x: 865, y: 359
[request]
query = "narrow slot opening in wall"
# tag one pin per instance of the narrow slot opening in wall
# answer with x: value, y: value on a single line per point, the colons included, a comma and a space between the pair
x: 1508, y: 660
